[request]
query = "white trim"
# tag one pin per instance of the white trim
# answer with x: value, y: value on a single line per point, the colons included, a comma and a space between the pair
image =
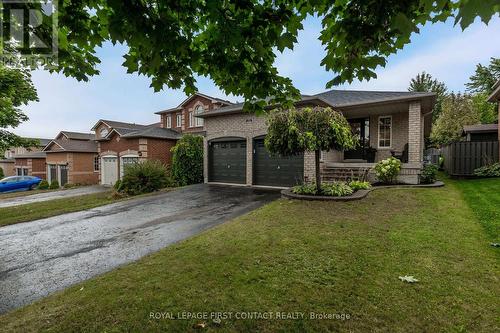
x: 101, y: 171
x: 168, y: 121
x: 178, y: 120
x: 378, y: 132
x: 198, y: 110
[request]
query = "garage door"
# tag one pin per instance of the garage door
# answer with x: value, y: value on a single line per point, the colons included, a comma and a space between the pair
x: 109, y: 167
x: 227, y: 161
x: 276, y: 170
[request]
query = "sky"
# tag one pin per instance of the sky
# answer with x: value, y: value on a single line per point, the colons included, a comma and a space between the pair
x: 446, y: 52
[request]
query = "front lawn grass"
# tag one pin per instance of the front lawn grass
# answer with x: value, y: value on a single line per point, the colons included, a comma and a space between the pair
x: 39, y: 210
x: 289, y: 256
x: 483, y: 197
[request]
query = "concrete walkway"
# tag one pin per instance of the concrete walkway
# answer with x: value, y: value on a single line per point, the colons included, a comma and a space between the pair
x: 39, y: 197
x: 40, y: 257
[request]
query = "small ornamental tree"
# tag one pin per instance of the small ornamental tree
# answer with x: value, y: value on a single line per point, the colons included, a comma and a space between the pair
x: 291, y: 132
x: 187, y: 160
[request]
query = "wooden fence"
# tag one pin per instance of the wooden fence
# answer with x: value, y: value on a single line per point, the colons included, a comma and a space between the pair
x: 462, y: 158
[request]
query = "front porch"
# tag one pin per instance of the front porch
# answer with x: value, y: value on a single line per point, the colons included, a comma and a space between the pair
x: 385, y: 130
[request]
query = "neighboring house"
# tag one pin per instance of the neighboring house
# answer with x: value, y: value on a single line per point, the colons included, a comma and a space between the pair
x: 72, y: 158
x: 119, y: 144
x: 387, y: 123
x: 495, y: 97
x: 13, y: 151
x: 31, y: 164
x: 184, y: 118
x: 7, y: 165
x: 481, y: 132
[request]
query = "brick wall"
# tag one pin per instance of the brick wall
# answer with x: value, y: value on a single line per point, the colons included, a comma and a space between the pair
x: 399, y: 134
x: 415, y: 133
x: 160, y: 150
x: 117, y: 144
x: 8, y: 168
x: 80, y: 166
x: 38, y: 168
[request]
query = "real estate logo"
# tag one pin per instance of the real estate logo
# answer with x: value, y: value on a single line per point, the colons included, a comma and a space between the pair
x: 28, y: 33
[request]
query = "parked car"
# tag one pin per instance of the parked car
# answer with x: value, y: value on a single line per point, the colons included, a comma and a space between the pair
x: 19, y: 183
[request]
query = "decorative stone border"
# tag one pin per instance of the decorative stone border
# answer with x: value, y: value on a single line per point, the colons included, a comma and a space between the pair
x: 358, y: 195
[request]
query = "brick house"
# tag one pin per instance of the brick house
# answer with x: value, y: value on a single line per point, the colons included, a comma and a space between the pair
x: 119, y: 144
x: 387, y: 123
x: 495, y: 97
x: 184, y: 118
x: 31, y: 164
x: 72, y: 159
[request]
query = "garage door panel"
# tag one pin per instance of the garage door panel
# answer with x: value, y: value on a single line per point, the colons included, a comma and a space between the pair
x: 227, y: 162
x: 275, y: 170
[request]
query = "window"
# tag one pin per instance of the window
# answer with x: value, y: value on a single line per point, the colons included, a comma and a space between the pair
x: 198, y: 111
x: 384, y: 131
x: 21, y: 171
x: 103, y: 132
x: 191, y: 119
x: 97, y: 163
x: 168, y: 121
x: 178, y: 121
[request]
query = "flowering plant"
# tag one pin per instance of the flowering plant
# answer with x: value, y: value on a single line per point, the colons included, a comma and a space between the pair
x: 387, y: 170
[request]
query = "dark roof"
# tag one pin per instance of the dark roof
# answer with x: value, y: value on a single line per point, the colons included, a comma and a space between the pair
x: 179, y: 107
x: 43, y: 142
x: 495, y: 95
x: 34, y: 154
x: 481, y: 128
x: 341, y: 99
x: 77, y: 135
x: 74, y: 146
x: 154, y: 132
x: 7, y: 160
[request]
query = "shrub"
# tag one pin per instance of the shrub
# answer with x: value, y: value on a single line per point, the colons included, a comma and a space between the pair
x: 54, y: 185
x: 187, y: 160
x: 144, y: 177
x: 441, y: 162
x: 44, y: 185
x: 69, y: 185
x: 305, y: 189
x: 492, y: 170
x: 359, y: 185
x: 337, y: 189
x: 387, y: 170
x: 2, y: 174
x: 118, y: 185
x: 429, y: 174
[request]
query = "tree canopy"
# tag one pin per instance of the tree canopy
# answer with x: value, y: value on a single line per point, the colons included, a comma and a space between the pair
x: 426, y: 83
x: 308, y: 129
x: 458, y: 111
x: 16, y: 89
x: 485, y: 77
x: 234, y: 42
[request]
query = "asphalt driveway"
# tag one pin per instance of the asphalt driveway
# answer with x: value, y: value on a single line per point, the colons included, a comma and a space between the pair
x: 31, y: 198
x: 40, y: 257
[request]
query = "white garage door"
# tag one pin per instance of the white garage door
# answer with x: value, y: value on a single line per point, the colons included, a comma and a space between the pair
x: 109, y: 170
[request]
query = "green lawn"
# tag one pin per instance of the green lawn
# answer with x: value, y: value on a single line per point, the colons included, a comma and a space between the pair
x: 289, y: 256
x: 38, y: 210
x: 22, y: 193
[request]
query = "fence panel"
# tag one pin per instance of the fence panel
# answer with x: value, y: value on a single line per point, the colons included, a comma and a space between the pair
x: 462, y: 158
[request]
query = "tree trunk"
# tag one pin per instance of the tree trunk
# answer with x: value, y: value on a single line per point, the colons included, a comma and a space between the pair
x: 317, y: 154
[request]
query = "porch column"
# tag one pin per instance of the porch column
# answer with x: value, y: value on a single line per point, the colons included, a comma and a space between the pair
x: 415, y: 136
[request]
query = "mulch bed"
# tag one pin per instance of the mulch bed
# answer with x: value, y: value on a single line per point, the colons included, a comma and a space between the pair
x: 358, y: 195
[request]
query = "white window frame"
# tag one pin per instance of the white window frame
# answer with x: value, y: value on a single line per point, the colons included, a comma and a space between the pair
x: 122, y: 169
x: 97, y: 159
x: 198, y: 122
x: 178, y: 120
x: 191, y: 118
x: 378, y: 133
x: 168, y: 121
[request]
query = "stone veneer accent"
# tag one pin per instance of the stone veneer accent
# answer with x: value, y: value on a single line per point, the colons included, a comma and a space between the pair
x: 415, y: 133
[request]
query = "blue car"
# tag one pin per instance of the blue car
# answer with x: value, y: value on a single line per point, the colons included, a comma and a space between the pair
x: 15, y: 183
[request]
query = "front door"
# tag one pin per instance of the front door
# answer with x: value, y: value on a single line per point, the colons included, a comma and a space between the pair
x: 109, y: 171
x: 361, y: 129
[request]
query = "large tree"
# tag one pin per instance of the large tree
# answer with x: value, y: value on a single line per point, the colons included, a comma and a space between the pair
x: 296, y: 131
x: 16, y: 89
x: 424, y: 82
x: 485, y: 77
x: 235, y: 42
x: 458, y: 111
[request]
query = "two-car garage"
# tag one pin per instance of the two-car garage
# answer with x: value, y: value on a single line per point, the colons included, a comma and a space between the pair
x: 227, y: 163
